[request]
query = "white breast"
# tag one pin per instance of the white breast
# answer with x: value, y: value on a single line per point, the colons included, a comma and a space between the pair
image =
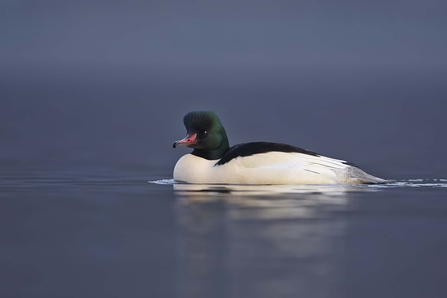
x: 265, y: 168
x: 193, y: 169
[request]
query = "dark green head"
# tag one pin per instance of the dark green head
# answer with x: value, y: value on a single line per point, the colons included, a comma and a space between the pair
x: 205, y: 134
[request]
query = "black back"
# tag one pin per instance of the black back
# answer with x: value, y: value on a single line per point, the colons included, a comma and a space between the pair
x: 248, y: 149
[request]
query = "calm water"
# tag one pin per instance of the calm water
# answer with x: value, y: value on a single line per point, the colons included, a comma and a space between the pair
x: 79, y: 218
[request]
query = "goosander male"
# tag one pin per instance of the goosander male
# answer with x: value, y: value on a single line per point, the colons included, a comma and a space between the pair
x: 213, y: 161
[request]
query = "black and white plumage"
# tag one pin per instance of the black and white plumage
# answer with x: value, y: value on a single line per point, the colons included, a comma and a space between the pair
x: 213, y: 161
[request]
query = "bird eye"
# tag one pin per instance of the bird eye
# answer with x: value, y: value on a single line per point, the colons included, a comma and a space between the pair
x: 205, y: 132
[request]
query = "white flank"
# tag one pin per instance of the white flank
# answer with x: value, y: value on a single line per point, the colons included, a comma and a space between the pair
x: 270, y: 168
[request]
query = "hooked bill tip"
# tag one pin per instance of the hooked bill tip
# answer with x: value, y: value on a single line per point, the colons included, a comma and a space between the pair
x: 174, y: 144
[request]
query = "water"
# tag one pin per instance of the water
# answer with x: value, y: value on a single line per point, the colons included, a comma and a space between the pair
x: 80, y: 217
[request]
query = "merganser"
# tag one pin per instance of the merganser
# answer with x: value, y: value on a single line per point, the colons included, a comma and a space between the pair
x: 213, y: 161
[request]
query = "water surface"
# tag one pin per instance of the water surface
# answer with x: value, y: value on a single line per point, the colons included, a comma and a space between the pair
x: 79, y: 218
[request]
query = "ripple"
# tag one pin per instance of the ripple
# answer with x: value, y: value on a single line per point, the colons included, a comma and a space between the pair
x: 328, y: 190
x: 164, y: 182
x: 432, y: 183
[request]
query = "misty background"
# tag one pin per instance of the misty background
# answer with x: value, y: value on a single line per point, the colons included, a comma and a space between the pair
x: 108, y: 82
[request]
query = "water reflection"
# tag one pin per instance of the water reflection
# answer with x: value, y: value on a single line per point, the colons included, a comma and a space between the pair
x: 266, y: 190
x: 261, y: 241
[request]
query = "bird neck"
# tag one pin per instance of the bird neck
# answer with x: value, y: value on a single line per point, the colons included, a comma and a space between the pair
x: 209, y: 154
x: 213, y: 154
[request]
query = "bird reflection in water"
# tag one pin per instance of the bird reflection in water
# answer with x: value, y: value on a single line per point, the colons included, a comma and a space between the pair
x: 261, y: 241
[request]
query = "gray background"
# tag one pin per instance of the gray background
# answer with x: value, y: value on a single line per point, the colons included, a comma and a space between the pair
x: 92, y: 95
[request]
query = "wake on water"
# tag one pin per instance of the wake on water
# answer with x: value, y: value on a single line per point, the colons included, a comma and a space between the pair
x: 431, y: 183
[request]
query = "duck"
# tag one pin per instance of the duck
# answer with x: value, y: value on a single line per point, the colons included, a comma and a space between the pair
x: 213, y: 161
